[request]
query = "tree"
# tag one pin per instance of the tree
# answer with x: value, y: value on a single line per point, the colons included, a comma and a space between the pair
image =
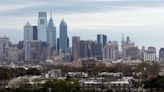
x: 33, y: 71
x: 62, y: 85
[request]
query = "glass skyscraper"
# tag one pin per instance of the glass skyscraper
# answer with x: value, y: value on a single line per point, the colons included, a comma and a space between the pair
x: 63, y: 36
x: 102, y: 39
x: 51, y: 34
x: 42, y: 26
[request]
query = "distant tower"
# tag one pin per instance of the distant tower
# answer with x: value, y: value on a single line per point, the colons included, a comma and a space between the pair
x: 51, y: 34
x: 75, y: 47
x: 42, y: 26
x: 161, y: 54
x: 63, y: 36
x: 122, y: 45
x: 35, y: 33
x: 102, y: 39
x: 28, y: 32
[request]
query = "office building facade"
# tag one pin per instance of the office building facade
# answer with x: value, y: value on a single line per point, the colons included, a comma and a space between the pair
x: 63, y: 36
x: 75, y: 47
x: 51, y: 34
x: 42, y: 26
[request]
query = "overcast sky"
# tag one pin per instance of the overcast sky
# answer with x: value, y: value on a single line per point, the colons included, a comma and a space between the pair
x: 142, y: 20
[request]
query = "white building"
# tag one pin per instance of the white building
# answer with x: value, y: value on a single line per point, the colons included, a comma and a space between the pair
x: 28, y: 32
x: 55, y: 73
x: 150, y: 54
x: 42, y: 26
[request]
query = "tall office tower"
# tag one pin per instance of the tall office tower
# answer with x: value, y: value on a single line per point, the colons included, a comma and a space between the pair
x: 83, y: 49
x: 51, y: 34
x: 110, y: 51
x: 63, y: 36
x: 35, y: 33
x: 75, y: 47
x: 4, y: 45
x: 97, y: 51
x: 102, y: 39
x: 90, y: 49
x: 150, y: 54
x: 28, y: 32
x: 161, y: 54
x: 42, y: 26
x: 125, y: 45
x: 58, y: 43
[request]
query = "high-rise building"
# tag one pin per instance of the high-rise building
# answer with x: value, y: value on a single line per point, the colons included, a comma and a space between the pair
x: 150, y: 54
x: 63, y: 36
x: 58, y: 43
x: 28, y: 32
x: 102, y: 39
x: 161, y: 54
x: 4, y: 45
x: 125, y: 45
x: 42, y: 26
x: 51, y: 34
x: 110, y: 51
x: 90, y: 49
x: 75, y: 47
x: 83, y: 49
x: 97, y: 51
x: 35, y: 33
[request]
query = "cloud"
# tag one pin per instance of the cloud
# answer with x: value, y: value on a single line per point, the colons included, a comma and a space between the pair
x: 30, y: 7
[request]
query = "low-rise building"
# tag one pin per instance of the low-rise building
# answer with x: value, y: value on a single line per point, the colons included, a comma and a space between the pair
x: 55, y: 73
x: 78, y: 74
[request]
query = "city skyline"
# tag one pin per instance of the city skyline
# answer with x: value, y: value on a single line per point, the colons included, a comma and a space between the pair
x: 134, y: 18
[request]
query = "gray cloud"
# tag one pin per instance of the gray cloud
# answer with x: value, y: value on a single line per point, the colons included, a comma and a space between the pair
x: 79, y: 6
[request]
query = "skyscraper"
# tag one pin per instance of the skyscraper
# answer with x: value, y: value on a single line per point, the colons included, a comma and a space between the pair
x: 83, y: 49
x: 110, y: 51
x: 4, y: 45
x: 161, y: 54
x: 28, y: 32
x: 63, y: 36
x: 35, y: 33
x: 51, y: 34
x: 126, y: 45
x: 102, y: 39
x: 75, y: 47
x: 42, y: 26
